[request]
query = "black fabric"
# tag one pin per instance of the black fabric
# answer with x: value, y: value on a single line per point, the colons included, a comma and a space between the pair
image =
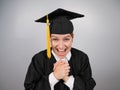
x: 41, y: 67
x: 60, y: 12
x: 61, y: 25
x: 60, y: 21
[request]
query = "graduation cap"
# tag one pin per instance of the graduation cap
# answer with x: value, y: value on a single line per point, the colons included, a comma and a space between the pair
x: 58, y: 22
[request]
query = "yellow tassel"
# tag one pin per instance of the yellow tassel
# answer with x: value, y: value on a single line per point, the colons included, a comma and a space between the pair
x: 48, y: 38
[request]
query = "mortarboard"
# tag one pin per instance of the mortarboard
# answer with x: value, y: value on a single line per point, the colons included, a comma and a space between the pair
x: 58, y: 22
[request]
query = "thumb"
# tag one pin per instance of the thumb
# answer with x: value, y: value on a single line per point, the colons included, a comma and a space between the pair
x: 55, y: 64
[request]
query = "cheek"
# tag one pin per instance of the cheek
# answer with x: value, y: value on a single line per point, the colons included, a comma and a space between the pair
x: 68, y: 44
x: 53, y: 44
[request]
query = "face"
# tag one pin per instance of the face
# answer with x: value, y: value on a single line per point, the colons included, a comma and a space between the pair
x: 61, y: 44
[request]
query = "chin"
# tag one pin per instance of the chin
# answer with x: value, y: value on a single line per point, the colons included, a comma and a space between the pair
x: 61, y: 57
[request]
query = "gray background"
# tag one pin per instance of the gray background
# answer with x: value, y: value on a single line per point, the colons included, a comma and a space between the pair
x: 97, y: 34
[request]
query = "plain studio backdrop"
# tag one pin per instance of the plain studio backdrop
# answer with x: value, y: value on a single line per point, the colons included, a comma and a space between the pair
x: 97, y: 34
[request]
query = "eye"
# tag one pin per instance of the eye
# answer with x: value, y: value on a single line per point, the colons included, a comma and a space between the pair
x: 54, y: 39
x: 67, y: 39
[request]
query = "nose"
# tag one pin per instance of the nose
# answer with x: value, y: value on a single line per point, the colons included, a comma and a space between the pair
x: 61, y: 45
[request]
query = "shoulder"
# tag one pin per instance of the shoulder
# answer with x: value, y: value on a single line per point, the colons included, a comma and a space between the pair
x: 39, y: 57
x: 40, y: 54
x: 78, y: 52
x: 79, y: 55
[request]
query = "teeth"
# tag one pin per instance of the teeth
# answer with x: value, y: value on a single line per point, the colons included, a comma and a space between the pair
x: 61, y: 50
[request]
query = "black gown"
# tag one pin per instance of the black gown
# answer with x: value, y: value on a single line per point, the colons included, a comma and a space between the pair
x: 40, y: 68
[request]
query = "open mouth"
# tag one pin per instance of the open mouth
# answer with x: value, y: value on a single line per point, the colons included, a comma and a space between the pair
x: 61, y: 52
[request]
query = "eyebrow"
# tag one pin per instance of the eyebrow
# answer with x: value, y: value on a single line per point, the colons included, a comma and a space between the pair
x: 54, y: 36
x: 67, y: 36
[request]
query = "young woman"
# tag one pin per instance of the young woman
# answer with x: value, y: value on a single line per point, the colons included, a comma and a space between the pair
x: 67, y: 68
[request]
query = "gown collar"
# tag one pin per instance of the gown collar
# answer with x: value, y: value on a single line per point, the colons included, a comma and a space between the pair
x: 67, y: 57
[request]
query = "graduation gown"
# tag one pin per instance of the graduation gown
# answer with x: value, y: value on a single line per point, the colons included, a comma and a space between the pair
x: 40, y: 68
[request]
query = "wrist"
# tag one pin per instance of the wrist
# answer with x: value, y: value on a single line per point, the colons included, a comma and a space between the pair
x: 55, y: 75
x: 66, y: 78
x: 52, y: 79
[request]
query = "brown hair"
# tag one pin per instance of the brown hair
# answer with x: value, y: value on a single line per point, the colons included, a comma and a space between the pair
x: 72, y: 34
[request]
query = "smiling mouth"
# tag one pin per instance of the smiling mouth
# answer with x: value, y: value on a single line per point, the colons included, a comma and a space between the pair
x: 61, y: 51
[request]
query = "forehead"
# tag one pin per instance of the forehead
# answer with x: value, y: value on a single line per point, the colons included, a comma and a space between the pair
x: 60, y: 35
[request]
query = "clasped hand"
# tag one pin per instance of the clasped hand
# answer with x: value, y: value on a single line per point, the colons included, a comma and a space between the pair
x: 61, y: 70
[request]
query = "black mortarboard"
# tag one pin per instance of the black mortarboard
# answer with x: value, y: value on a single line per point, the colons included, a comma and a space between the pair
x: 60, y: 23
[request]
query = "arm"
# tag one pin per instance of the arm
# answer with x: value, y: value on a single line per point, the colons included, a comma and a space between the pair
x: 52, y: 80
x: 35, y: 78
x: 84, y: 80
x: 63, y: 68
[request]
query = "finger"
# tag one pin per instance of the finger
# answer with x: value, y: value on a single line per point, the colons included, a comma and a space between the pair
x: 55, y: 64
x: 65, y: 61
x: 67, y: 73
x: 62, y: 62
x: 66, y: 65
x: 67, y: 68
